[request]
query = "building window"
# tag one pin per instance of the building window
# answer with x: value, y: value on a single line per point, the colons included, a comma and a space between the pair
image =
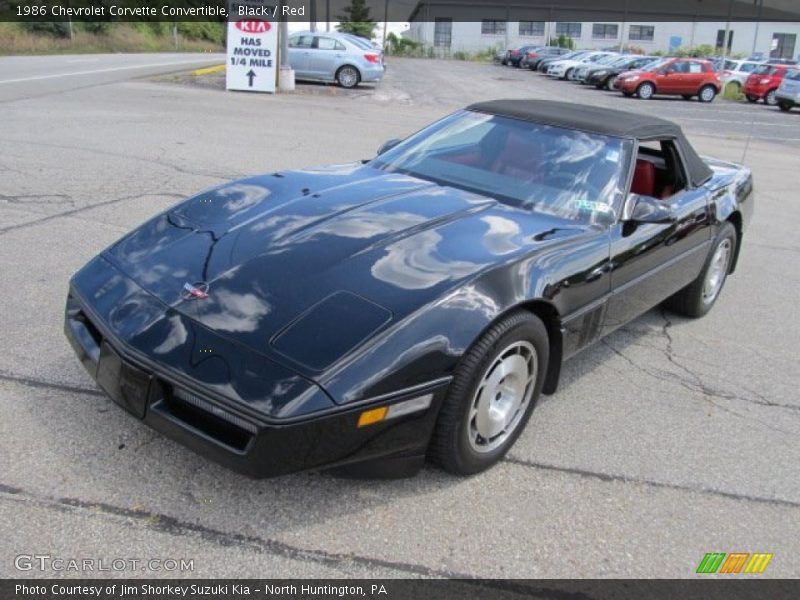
x: 443, y: 32
x: 721, y: 38
x: 783, y: 45
x: 605, y: 31
x: 531, y: 28
x: 642, y: 33
x: 493, y: 27
x: 571, y: 30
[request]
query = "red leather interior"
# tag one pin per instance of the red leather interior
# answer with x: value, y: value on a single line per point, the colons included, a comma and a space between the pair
x: 519, y: 156
x: 644, y: 178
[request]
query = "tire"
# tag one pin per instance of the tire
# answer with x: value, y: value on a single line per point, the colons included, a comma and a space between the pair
x: 627, y: 94
x: 697, y: 298
x: 752, y: 99
x: 610, y: 83
x: 518, y: 343
x: 686, y: 96
x: 348, y: 77
x: 567, y: 74
x: 645, y: 90
x: 707, y: 93
x: 770, y: 98
x: 784, y: 106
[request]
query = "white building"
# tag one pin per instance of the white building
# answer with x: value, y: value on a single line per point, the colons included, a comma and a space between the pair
x: 446, y: 35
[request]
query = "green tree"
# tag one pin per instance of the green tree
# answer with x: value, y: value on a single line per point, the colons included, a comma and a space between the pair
x: 356, y: 20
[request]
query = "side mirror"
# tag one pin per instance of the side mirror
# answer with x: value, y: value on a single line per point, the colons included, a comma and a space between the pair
x: 388, y: 145
x: 647, y: 209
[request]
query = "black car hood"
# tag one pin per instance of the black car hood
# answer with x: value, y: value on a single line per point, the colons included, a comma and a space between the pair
x: 270, y: 248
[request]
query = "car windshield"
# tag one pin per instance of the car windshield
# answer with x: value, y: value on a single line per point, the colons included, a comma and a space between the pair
x: 656, y: 64
x: 360, y: 42
x: 793, y: 74
x: 563, y: 172
x: 765, y: 70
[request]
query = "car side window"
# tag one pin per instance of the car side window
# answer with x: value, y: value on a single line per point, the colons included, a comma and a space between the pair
x: 695, y: 67
x: 659, y: 170
x: 324, y: 43
x: 301, y: 41
x: 748, y: 67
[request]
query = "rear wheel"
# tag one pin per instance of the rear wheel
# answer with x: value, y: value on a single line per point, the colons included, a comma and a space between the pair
x: 784, y: 106
x: 492, y: 395
x: 752, y: 99
x: 771, y: 98
x: 610, y: 82
x: 697, y: 298
x: 568, y: 74
x: 707, y: 93
x: 646, y: 90
x: 348, y: 77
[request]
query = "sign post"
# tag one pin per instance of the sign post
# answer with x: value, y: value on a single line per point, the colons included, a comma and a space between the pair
x: 252, y: 46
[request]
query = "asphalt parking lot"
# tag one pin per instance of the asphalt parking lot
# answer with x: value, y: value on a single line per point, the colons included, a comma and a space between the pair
x: 670, y: 439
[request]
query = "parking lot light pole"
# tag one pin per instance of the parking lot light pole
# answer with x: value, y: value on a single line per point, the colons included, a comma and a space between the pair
x: 285, y: 72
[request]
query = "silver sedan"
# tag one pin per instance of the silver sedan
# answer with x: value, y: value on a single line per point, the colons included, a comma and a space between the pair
x: 335, y: 57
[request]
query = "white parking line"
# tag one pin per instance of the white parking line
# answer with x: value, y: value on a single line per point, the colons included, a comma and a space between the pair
x: 109, y: 70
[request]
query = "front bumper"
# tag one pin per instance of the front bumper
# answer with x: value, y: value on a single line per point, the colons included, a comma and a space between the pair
x: 224, y: 431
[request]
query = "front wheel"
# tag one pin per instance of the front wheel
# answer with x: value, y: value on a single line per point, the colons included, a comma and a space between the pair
x: 752, y: 99
x: 784, y: 106
x: 645, y: 91
x: 707, y: 93
x: 568, y: 74
x: 610, y: 82
x: 697, y: 298
x: 348, y: 77
x: 492, y: 395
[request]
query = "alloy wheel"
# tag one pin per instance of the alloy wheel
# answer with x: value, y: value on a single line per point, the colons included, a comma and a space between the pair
x: 717, y: 271
x: 502, y: 397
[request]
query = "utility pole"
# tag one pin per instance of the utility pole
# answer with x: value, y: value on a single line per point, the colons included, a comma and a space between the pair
x: 312, y: 14
x: 726, y: 40
x: 285, y: 72
x: 385, y: 22
x: 327, y: 15
x: 758, y: 22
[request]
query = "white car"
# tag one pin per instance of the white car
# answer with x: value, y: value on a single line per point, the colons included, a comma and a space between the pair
x: 563, y: 69
x: 736, y: 72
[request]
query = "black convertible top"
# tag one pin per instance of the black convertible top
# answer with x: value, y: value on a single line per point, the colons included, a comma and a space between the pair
x: 604, y: 121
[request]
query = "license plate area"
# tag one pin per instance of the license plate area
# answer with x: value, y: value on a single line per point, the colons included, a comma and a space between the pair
x: 125, y: 384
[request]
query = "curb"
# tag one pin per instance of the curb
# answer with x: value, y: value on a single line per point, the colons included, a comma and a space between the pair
x: 209, y: 70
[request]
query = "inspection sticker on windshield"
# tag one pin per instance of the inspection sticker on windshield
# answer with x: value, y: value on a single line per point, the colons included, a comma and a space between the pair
x: 592, y: 206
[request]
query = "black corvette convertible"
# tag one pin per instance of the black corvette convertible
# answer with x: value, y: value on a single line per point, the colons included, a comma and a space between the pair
x: 369, y: 315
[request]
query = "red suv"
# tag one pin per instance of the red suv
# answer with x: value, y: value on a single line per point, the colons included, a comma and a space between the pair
x: 763, y: 82
x: 685, y: 77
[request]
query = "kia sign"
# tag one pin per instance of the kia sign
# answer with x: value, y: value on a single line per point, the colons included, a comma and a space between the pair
x: 253, y: 26
x: 252, y: 50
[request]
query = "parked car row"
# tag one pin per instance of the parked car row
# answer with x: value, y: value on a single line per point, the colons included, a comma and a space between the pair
x: 775, y: 81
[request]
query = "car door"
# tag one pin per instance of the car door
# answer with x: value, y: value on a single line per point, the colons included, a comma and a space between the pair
x: 652, y: 261
x: 326, y: 53
x: 672, y: 79
x: 695, y: 77
x: 300, y: 54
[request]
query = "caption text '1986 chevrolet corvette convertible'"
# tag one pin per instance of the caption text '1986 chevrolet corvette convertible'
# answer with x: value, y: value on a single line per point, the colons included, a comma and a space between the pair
x: 367, y: 316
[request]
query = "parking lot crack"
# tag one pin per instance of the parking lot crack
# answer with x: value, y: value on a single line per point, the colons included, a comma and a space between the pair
x: 610, y: 477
